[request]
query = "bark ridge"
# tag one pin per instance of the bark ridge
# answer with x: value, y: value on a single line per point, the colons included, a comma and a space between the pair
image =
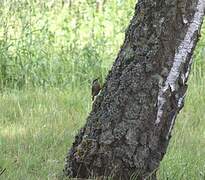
x: 129, y: 127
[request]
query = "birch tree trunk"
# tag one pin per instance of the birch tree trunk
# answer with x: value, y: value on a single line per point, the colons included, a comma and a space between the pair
x: 129, y: 127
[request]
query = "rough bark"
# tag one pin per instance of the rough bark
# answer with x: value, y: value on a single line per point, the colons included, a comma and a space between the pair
x: 129, y: 127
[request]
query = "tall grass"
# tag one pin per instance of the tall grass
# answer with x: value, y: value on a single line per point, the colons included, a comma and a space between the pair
x: 52, y: 44
x: 52, y: 51
x: 46, y: 43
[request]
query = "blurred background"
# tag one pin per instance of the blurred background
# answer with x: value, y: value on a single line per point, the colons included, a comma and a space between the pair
x: 59, y: 43
x: 50, y: 51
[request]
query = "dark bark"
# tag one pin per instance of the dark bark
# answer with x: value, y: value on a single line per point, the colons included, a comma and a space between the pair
x: 129, y: 127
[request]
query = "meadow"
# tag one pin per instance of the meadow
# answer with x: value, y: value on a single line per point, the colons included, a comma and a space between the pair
x: 50, y: 51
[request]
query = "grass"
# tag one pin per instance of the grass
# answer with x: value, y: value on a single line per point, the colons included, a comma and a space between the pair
x: 49, y: 54
x: 45, y: 44
x: 37, y: 127
x: 185, y: 158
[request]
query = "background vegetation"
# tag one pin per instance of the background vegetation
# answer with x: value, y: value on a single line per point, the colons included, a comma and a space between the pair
x: 50, y: 51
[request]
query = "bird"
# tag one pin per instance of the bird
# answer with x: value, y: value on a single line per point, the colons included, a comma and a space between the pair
x: 95, y: 88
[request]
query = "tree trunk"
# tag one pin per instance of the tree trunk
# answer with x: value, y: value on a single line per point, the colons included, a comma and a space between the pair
x: 129, y: 127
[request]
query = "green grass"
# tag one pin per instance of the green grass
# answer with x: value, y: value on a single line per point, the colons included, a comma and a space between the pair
x: 49, y: 54
x: 45, y: 44
x: 185, y: 158
x: 37, y: 127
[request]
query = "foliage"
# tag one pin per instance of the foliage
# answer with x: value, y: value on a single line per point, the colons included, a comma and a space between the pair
x: 52, y: 52
x: 50, y: 44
